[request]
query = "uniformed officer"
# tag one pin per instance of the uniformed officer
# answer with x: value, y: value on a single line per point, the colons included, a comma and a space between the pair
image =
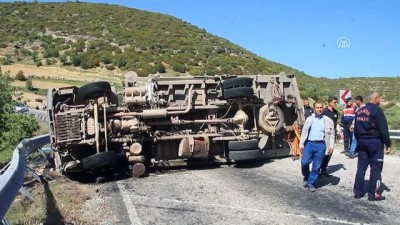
x: 371, y: 132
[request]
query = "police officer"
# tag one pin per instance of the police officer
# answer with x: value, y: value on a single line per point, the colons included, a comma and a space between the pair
x: 371, y: 132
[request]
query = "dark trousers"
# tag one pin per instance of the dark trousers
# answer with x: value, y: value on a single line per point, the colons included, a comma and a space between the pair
x: 370, y: 153
x: 325, y: 163
x: 347, y: 134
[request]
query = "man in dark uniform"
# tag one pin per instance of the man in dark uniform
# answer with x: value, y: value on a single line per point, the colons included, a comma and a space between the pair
x: 371, y: 132
x: 307, y: 109
x: 331, y: 112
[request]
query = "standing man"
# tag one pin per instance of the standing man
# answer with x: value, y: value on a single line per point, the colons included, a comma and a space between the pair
x: 307, y: 109
x: 331, y: 112
x: 348, y: 114
x: 371, y: 131
x: 317, y: 139
x: 352, y: 154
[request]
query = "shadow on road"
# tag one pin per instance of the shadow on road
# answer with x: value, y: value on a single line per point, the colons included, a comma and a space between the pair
x: 383, y: 187
x: 334, y: 168
x: 98, y: 177
x: 251, y: 164
x: 323, y: 181
x: 53, y: 214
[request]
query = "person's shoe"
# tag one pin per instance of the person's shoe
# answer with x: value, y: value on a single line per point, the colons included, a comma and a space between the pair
x: 351, y: 156
x: 324, y: 173
x: 359, y: 196
x: 343, y: 152
x: 377, y: 198
x: 311, y: 188
x: 305, y: 182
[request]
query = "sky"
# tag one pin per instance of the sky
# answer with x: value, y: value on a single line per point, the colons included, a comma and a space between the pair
x: 333, y: 39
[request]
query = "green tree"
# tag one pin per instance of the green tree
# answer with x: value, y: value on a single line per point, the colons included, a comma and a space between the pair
x: 14, y: 127
x: 64, y: 59
x: 75, y: 59
x: 179, y: 67
x: 160, y: 67
x: 34, y: 55
x: 28, y: 85
x: 20, y: 76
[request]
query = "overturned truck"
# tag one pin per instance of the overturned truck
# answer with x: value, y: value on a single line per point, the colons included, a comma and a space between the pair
x: 170, y: 119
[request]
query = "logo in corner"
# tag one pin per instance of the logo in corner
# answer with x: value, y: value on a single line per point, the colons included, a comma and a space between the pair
x: 343, y: 42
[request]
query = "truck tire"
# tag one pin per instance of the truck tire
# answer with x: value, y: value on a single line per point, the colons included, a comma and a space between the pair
x: 238, y: 92
x: 237, y: 82
x: 102, y: 160
x: 245, y: 155
x: 243, y: 145
x: 270, y: 120
x: 93, y: 90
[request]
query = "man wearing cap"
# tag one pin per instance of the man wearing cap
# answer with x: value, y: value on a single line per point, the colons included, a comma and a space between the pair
x: 348, y: 115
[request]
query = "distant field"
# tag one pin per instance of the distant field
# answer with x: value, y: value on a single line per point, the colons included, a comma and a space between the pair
x: 64, y: 73
x: 43, y: 84
x: 55, y: 77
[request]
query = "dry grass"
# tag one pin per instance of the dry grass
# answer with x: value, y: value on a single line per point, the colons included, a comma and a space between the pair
x: 66, y: 73
x: 30, y: 98
x: 42, y: 84
x: 58, y: 202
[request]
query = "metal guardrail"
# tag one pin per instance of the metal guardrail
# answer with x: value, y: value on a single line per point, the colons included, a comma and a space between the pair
x: 394, y: 134
x: 12, y: 179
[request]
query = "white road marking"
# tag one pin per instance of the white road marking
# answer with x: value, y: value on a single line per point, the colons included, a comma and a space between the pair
x: 130, y: 207
x: 171, y: 202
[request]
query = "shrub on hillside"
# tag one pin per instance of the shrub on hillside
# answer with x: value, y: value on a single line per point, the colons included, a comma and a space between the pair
x: 110, y: 67
x: 28, y: 85
x: 20, y: 76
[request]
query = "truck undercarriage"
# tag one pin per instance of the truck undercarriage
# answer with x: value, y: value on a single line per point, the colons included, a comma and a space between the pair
x: 232, y: 118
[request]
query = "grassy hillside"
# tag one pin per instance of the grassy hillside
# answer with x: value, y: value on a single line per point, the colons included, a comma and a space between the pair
x: 117, y: 39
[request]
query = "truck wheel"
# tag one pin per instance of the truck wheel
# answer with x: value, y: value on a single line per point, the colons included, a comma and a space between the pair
x: 238, y: 92
x: 243, y: 145
x: 245, y: 155
x: 93, y: 90
x: 270, y: 119
x: 237, y: 82
x: 102, y: 160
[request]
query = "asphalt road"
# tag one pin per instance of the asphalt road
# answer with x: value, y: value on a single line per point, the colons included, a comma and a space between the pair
x: 264, y: 193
